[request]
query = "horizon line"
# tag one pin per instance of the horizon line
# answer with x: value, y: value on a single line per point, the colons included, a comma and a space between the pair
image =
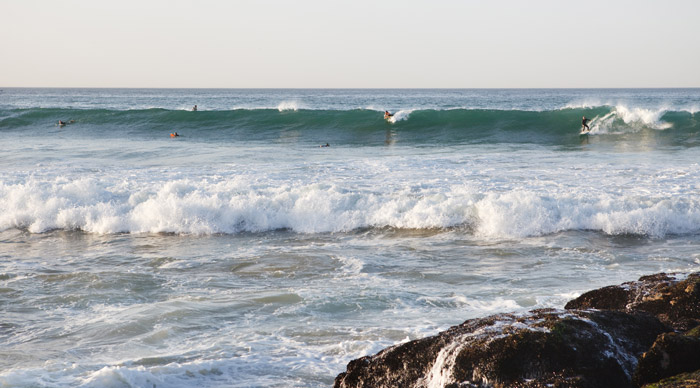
x: 348, y: 88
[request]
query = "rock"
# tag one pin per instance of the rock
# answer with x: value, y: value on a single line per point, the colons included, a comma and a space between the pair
x: 671, y: 354
x: 603, y: 339
x: 685, y: 380
x: 695, y: 332
x: 674, y: 301
x: 538, y: 349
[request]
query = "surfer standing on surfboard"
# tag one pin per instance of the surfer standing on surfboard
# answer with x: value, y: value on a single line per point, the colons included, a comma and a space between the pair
x: 584, y: 125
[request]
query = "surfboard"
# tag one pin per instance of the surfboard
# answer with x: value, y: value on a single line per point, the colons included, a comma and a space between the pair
x: 584, y: 132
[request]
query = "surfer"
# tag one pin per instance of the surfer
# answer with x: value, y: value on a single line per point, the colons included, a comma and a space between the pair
x: 323, y: 146
x: 61, y: 123
x: 174, y: 134
x: 194, y: 108
x: 387, y: 114
x: 584, y: 125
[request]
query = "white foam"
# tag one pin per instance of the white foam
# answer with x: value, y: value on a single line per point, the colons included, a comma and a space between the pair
x: 351, y: 265
x: 520, y: 214
x: 441, y: 372
x: 152, y: 202
x: 585, y: 104
x: 647, y: 117
x: 118, y: 376
x: 497, y: 305
x: 622, y: 118
x: 400, y: 115
x: 288, y: 105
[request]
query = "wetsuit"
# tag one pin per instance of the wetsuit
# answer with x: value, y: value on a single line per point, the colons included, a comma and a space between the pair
x: 583, y: 123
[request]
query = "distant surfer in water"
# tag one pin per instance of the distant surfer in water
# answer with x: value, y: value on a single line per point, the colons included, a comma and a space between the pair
x: 326, y: 145
x: 194, y: 108
x: 584, y: 125
x: 174, y: 134
x: 62, y: 123
x: 387, y: 114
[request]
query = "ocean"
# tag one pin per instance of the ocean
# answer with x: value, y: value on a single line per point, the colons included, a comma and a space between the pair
x: 243, y: 254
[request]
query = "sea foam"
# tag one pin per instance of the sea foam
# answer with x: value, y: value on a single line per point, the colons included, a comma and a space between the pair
x: 190, y: 206
x: 288, y: 105
x: 400, y: 115
x: 635, y: 118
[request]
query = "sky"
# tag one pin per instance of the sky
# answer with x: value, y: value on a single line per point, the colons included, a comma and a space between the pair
x: 350, y: 44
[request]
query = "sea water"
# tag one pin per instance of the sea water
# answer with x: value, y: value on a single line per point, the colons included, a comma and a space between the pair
x: 243, y: 254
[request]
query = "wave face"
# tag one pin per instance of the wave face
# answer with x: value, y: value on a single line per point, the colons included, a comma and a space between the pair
x: 367, y: 127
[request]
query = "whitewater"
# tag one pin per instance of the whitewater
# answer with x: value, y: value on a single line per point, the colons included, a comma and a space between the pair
x: 242, y: 253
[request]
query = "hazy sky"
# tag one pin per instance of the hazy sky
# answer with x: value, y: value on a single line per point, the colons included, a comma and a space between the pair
x: 358, y: 43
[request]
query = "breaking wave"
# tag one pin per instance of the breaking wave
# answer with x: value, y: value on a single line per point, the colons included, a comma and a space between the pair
x: 358, y: 126
x: 231, y: 206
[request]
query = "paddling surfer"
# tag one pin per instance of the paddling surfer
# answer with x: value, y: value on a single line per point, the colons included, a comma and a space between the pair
x: 387, y: 114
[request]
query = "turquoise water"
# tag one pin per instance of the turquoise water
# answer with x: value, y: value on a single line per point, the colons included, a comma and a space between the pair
x: 243, y: 254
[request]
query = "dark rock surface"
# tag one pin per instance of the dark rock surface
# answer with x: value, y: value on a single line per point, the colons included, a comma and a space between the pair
x: 597, y: 342
x: 573, y: 349
x: 684, y: 380
x: 671, y: 354
x: 673, y: 301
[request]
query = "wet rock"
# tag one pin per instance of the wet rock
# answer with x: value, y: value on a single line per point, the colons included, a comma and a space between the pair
x: 670, y: 355
x: 684, y: 380
x: 671, y: 298
x: 603, y: 339
x: 538, y: 349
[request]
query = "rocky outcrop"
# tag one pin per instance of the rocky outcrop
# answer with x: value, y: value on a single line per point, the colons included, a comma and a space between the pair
x: 672, y: 299
x: 573, y: 349
x: 603, y: 339
x: 671, y: 354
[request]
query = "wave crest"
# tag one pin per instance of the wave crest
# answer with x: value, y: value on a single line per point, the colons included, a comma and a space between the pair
x: 623, y: 118
x: 288, y: 105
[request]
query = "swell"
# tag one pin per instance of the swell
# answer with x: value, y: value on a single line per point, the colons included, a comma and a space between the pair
x: 361, y: 126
